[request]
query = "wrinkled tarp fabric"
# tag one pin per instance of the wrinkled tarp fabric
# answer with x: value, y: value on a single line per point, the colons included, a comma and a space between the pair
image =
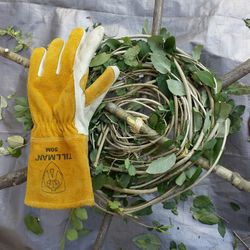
x: 218, y: 25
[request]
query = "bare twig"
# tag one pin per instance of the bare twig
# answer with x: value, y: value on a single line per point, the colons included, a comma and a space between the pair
x: 5, y: 52
x: 241, y: 240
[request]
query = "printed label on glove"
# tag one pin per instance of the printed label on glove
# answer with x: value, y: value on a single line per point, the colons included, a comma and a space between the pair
x: 53, y: 180
x: 53, y: 157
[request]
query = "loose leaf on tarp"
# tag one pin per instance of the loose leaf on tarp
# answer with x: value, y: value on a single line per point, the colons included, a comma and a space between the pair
x: 72, y: 234
x: 203, y: 201
x: 81, y: 213
x: 161, y: 63
x: 247, y: 22
x: 162, y: 164
x: 205, y: 77
x: 196, y: 53
x: 100, y: 59
x: 237, y: 89
x: 234, y: 206
x: 15, y: 141
x: 147, y: 242
x: 205, y: 216
x: 76, y: 223
x: 221, y: 228
x: 32, y: 224
x: 181, y: 246
x: 176, y: 87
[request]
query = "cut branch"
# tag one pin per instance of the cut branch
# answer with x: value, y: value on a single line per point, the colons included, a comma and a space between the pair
x: 236, y: 74
x: 5, y: 52
x: 13, y: 178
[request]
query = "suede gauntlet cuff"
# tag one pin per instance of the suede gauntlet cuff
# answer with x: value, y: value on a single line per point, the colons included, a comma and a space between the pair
x: 60, y: 175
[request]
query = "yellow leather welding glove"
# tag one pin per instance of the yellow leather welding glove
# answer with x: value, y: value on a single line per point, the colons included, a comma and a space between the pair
x: 61, y: 108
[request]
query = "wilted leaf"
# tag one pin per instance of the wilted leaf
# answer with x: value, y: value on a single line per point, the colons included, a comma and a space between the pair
x: 32, y: 224
x: 15, y: 141
x: 196, y: 53
x: 176, y: 87
x: 100, y: 59
x: 162, y: 164
x: 147, y: 242
x: 161, y: 63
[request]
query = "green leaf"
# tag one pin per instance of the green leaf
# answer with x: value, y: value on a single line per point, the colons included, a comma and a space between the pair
x: 71, y: 234
x: 180, y: 179
x: 225, y: 110
x: 221, y: 228
x: 14, y: 152
x: 130, y: 56
x: 198, y: 120
x: 76, y: 223
x: 22, y: 101
x: 247, y: 22
x: 161, y: 165
x: 181, y: 246
x: 205, y: 217
x: 176, y: 87
x: 156, y: 44
x: 161, y: 63
x: 234, y: 206
x: 114, y: 205
x: 83, y: 232
x: 194, y: 177
x: 131, y: 170
x: 15, y: 141
x: 153, y: 120
x: 147, y: 242
x: 205, y: 77
x: 170, y: 44
x: 162, y: 84
x: 196, y: 53
x: 32, y: 224
x: 123, y: 180
x: 93, y: 155
x: 81, y: 213
x: 99, y: 181
x: 18, y: 47
x: 113, y: 43
x: 143, y: 212
x: 169, y: 204
x: 173, y: 245
x: 144, y: 48
x: 145, y: 28
x: 3, y: 102
x: 203, y: 201
x: 210, y: 144
x: 237, y: 89
x: 100, y: 59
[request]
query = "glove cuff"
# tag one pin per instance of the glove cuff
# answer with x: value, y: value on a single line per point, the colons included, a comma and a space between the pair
x: 58, y: 173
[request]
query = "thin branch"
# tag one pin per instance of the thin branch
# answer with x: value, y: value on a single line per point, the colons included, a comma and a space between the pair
x: 241, y: 240
x: 236, y: 74
x: 5, y: 52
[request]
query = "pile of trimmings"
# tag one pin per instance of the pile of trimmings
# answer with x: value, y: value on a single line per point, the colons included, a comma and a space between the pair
x: 164, y: 116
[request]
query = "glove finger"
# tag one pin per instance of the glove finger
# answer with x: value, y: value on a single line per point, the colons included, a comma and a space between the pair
x: 86, y: 52
x: 52, y: 56
x: 36, y: 62
x: 100, y: 87
x: 69, y: 52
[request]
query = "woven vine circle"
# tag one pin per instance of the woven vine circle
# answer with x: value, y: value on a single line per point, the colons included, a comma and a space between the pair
x: 178, y: 111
